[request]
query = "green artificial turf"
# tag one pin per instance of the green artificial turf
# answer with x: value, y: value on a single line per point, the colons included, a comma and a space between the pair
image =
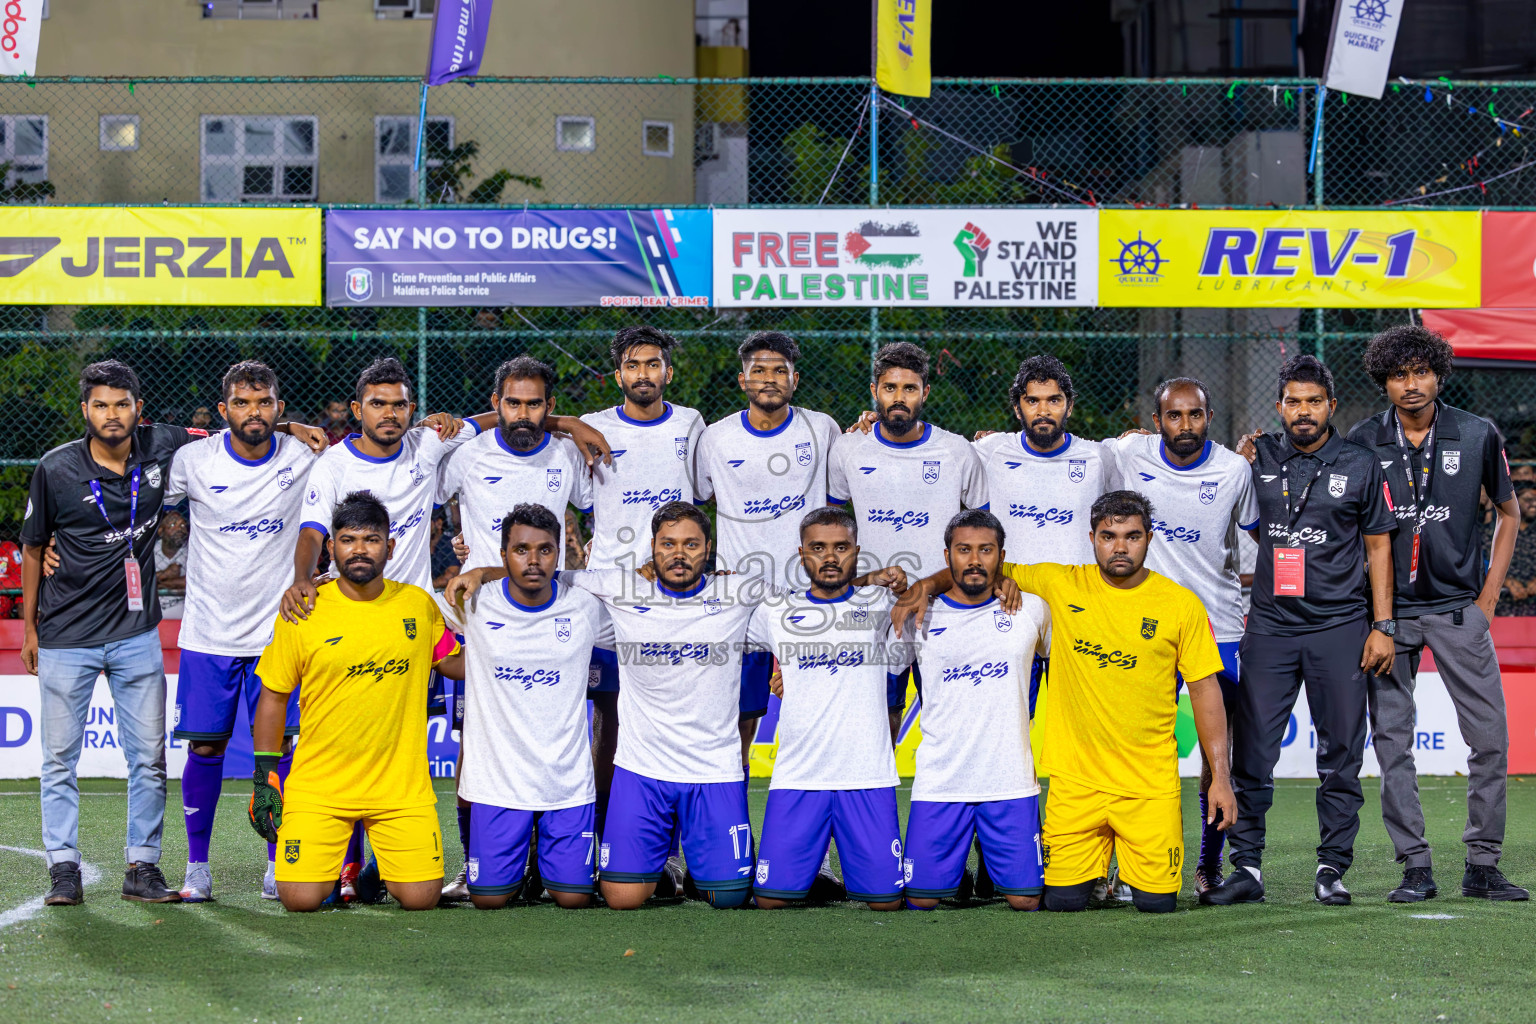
x: 243, y: 959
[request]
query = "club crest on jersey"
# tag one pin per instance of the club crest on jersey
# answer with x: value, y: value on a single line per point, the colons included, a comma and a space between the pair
x: 1002, y: 620
x: 563, y: 630
x: 930, y: 472
x: 803, y: 453
x: 906, y: 870
x: 1077, y: 470
x: 291, y: 851
x: 1148, y: 628
x: 410, y: 628
x: 152, y: 475
x: 552, y: 479
x: 417, y: 476
x: 1336, y: 484
x: 472, y: 869
x: 1207, y: 491
x: 762, y: 872
x: 712, y: 605
x: 1450, y: 462
x: 680, y: 445
x: 602, y: 857
x: 177, y: 720
x: 285, y: 478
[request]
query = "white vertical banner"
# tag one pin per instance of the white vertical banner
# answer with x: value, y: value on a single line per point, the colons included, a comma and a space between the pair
x: 20, y: 23
x: 1360, y: 46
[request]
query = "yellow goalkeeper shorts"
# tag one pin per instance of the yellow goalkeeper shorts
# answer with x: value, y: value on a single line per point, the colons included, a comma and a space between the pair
x: 1082, y: 826
x: 312, y: 844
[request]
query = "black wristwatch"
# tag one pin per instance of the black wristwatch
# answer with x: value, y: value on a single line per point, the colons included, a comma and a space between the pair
x: 1387, y: 626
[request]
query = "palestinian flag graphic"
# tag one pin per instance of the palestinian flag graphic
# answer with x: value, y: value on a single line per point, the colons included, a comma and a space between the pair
x: 884, y: 245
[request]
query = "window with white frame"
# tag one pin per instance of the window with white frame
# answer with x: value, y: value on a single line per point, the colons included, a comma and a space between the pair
x: 576, y: 134
x: 394, y: 154
x: 261, y: 10
x: 656, y: 138
x: 259, y: 158
x: 404, y: 8
x: 24, y: 145
x: 119, y: 132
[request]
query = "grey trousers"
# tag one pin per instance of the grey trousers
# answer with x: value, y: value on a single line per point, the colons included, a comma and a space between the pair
x: 1465, y: 659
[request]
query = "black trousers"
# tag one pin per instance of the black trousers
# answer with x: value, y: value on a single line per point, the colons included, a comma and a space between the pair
x: 1274, y: 669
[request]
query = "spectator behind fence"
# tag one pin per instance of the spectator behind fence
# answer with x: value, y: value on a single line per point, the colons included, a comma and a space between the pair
x: 171, y: 556
x: 445, y: 563
x: 203, y: 419
x: 1519, y: 594
x: 336, y: 421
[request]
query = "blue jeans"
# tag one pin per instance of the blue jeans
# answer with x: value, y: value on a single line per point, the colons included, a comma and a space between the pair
x: 135, y: 670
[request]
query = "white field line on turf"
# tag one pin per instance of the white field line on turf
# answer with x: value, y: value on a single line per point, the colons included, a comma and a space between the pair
x: 88, y: 875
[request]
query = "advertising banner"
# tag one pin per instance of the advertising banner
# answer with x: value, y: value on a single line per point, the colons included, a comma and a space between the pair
x: 904, y: 31
x: 1509, y: 260
x: 860, y: 257
x: 160, y: 256
x: 459, y: 28
x: 1291, y: 258
x: 1360, y: 46
x: 517, y: 258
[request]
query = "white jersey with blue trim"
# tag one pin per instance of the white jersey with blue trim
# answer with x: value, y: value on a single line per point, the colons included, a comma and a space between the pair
x: 1043, y: 498
x: 764, y: 483
x: 653, y: 463
x: 1197, y: 511
x: 679, y: 655
x: 904, y: 494
x: 405, y: 482
x: 975, y: 661
x: 525, y: 713
x: 244, y: 520
x: 490, y: 476
x: 834, y: 729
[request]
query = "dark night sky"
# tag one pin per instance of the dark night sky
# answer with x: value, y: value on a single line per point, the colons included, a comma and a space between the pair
x: 982, y: 38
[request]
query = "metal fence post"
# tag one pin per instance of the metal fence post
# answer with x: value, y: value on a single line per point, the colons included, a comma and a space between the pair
x: 1319, y: 349
x: 874, y: 197
x: 421, y: 361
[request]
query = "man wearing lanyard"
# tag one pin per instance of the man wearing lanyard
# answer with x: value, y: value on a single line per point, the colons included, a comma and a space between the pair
x: 1437, y: 460
x: 99, y: 613
x: 1322, y: 511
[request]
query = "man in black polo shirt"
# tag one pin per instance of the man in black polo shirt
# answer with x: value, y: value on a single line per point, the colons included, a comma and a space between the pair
x: 99, y: 499
x: 1438, y: 460
x: 1323, y: 514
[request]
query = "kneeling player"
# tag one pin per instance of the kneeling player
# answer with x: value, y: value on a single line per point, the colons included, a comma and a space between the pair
x: 975, y: 772
x: 364, y: 656
x: 835, y: 774
x: 526, y: 762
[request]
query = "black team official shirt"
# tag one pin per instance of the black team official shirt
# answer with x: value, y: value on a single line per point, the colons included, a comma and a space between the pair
x: 1466, y: 457
x: 85, y: 603
x: 1346, y: 502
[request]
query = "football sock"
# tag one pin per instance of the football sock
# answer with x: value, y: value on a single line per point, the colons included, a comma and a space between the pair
x: 201, y: 781
x: 284, y: 766
x: 1154, y: 902
x: 1068, y: 898
x: 464, y: 829
x: 355, y: 845
x: 600, y: 812
x: 1212, y: 839
x: 914, y: 906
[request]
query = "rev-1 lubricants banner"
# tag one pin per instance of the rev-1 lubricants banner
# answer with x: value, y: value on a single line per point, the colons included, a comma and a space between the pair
x: 517, y: 258
x: 142, y: 256
x: 854, y: 257
x: 1235, y: 258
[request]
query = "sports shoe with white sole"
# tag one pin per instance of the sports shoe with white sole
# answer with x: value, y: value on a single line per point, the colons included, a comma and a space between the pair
x: 197, y: 886
x: 1207, y: 878
x: 269, y: 882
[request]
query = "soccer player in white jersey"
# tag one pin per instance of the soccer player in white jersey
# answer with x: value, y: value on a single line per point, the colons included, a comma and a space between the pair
x: 975, y: 771
x: 1203, y: 494
x: 764, y: 466
x: 835, y: 773
x: 526, y: 762
x: 245, y: 486
x: 654, y: 445
x: 904, y: 478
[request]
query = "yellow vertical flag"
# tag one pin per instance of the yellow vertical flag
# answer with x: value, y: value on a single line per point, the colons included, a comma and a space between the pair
x: 905, y: 31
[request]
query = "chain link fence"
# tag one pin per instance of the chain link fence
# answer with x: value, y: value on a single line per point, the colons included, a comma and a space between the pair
x: 729, y: 142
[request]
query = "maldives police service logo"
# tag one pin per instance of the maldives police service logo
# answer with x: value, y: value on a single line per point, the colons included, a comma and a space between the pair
x: 1002, y: 620
x: 563, y: 630
x: 285, y: 478
x: 313, y: 497
x: 803, y: 453
x: 762, y: 872
x: 1336, y: 484
x: 930, y: 472
x: 1148, y: 628
x: 410, y: 628
x: 359, y: 284
x: 1077, y: 470
x: 152, y: 475
x: 552, y: 479
x: 1450, y: 462
x: 1207, y: 491
x: 680, y: 445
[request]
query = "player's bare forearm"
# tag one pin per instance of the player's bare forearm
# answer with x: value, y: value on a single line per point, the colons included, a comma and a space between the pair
x: 268, y: 723
x: 1211, y: 727
x: 452, y: 666
x: 314, y: 437
x: 306, y: 554
x: 31, y: 579
x: 1506, y: 525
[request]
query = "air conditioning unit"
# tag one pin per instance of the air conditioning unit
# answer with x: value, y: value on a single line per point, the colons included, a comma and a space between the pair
x: 706, y: 141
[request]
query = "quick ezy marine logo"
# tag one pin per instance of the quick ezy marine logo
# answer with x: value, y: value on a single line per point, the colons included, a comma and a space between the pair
x: 773, y: 506
x: 371, y: 667
x: 527, y: 678
x: 1040, y: 516
x: 253, y: 528
x: 893, y: 517
x: 974, y: 674
x: 1106, y: 659
x: 1179, y: 533
x: 651, y: 499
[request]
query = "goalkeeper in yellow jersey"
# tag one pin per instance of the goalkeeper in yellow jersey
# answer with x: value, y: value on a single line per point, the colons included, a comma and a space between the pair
x: 363, y: 657
x: 1124, y: 638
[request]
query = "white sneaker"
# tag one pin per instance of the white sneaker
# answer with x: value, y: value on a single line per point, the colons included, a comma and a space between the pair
x: 269, y: 882
x: 456, y: 891
x: 198, y: 886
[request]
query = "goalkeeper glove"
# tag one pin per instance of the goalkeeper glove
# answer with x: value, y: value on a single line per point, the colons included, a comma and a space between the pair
x: 267, y: 800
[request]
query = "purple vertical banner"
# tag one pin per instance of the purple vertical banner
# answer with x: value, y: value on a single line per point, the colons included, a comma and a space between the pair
x: 458, y: 39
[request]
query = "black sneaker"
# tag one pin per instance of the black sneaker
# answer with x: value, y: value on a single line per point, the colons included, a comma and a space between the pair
x: 1330, y: 889
x: 673, y: 881
x: 1207, y: 877
x: 1418, y: 885
x: 1240, y: 887
x: 369, y: 885
x: 67, y: 889
x: 143, y: 883
x: 1486, y: 881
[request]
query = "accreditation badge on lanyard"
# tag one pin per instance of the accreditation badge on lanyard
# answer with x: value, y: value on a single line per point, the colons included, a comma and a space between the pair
x: 1418, y: 490
x: 130, y: 564
x: 1290, y: 563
